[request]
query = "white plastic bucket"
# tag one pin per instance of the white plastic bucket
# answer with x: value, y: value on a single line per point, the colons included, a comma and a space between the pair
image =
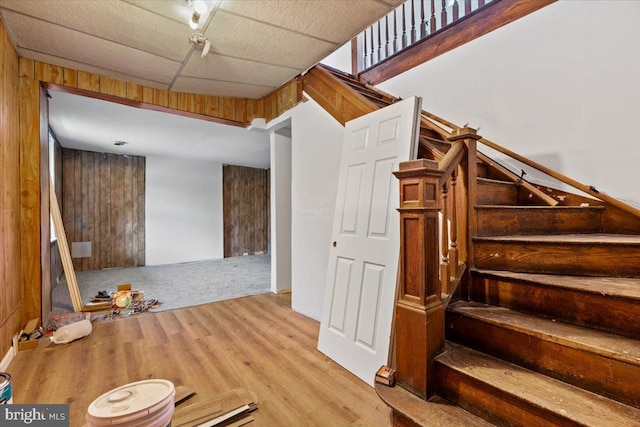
x: 146, y: 403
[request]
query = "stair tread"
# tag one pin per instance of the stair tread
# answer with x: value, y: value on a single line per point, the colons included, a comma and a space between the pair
x: 541, y: 207
x: 603, y: 343
x: 620, y: 287
x: 495, y: 181
x: 434, y: 412
x: 581, y: 406
x: 593, y: 238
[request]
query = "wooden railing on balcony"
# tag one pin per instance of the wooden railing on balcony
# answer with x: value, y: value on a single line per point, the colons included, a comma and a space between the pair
x: 410, y: 23
x: 421, y: 30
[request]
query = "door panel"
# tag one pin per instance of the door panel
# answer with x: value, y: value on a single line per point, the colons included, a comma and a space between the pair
x: 361, y: 276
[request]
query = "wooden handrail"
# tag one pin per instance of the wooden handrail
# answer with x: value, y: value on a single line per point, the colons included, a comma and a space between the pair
x: 563, y: 178
x: 449, y: 128
x: 591, y: 190
x: 451, y: 160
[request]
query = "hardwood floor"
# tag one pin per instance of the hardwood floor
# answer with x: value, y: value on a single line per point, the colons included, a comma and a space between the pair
x: 257, y: 343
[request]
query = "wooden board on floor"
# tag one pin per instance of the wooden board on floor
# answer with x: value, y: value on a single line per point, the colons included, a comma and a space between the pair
x: 216, y: 406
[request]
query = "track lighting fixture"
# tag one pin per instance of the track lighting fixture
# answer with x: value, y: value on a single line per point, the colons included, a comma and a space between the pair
x: 201, y: 39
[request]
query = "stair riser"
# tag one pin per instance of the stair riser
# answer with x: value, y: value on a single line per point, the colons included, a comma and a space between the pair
x: 580, y: 308
x: 504, y: 222
x: 582, y: 368
x: 496, y: 193
x: 494, y: 405
x: 555, y: 258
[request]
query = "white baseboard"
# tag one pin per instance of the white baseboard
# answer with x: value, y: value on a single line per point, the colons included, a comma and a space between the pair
x: 6, y: 360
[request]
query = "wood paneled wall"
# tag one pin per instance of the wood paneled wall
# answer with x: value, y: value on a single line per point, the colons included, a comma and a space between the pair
x: 282, y: 99
x: 240, y: 110
x: 10, y: 258
x: 245, y: 195
x: 103, y: 202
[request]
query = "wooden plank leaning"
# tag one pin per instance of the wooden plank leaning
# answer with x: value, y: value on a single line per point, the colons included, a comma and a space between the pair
x: 63, y: 246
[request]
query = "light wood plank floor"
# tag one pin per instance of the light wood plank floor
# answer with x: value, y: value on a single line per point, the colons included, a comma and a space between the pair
x: 257, y: 343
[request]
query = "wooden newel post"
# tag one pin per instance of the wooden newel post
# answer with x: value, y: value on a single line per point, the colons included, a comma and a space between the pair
x: 419, y: 310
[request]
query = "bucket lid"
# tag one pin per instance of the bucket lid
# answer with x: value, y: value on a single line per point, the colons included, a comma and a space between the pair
x: 132, y: 401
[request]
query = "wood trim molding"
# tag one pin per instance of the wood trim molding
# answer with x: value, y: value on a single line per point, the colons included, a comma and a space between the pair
x: 140, y: 104
x: 339, y: 100
x: 493, y: 16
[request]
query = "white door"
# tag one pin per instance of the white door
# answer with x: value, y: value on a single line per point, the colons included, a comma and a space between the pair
x: 363, y: 263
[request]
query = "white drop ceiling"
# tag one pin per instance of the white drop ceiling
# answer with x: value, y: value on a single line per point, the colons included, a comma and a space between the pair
x: 256, y: 45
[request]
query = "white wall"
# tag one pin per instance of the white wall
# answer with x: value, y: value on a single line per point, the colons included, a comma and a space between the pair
x: 316, y: 150
x: 560, y: 86
x: 340, y: 59
x: 183, y: 212
x: 280, y: 210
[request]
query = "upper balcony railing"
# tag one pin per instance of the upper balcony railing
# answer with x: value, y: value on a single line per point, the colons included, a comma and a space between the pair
x: 409, y: 24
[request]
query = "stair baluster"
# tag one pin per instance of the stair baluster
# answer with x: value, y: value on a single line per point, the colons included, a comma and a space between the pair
x: 404, y: 27
x: 445, y: 277
x: 423, y: 23
x: 453, y: 237
x: 443, y: 14
x: 432, y: 21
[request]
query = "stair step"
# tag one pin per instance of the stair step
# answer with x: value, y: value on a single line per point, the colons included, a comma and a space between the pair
x: 582, y: 300
x: 506, y: 394
x: 569, y: 254
x: 409, y: 409
x: 508, y: 220
x: 494, y: 192
x: 601, y: 362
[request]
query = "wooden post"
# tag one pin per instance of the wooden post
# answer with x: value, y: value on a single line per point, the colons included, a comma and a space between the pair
x: 419, y: 310
x: 470, y: 137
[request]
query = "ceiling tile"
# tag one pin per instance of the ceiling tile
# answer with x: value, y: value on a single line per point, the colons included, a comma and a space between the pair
x: 240, y: 37
x: 115, y: 21
x: 333, y: 20
x: 218, y: 67
x: 220, y: 88
x: 39, y: 36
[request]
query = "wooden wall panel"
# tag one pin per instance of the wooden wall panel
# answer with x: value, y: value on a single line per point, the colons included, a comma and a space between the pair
x: 245, y: 194
x: 230, y: 110
x: 30, y: 243
x: 10, y: 213
x: 103, y: 203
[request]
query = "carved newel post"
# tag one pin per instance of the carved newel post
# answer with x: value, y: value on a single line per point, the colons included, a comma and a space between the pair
x: 419, y: 310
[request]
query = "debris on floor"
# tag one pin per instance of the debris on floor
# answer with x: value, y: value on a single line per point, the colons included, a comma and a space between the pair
x: 231, y: 408
x: 72, y: 332
x: 30, y: 335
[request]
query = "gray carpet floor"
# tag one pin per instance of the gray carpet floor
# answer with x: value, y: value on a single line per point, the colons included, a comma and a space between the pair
x: 176, y: 285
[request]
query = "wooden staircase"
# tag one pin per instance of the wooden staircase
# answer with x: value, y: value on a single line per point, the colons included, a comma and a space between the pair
x: 544, y: 328
x: 548, y: 331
